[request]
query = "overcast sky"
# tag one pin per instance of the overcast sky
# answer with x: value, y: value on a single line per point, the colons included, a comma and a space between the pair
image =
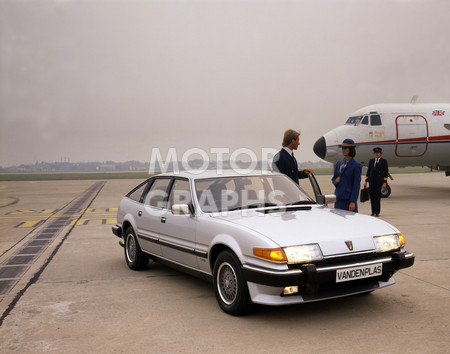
x: 97, y: 80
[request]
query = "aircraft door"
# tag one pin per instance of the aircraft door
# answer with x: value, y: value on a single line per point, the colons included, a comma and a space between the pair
x: 412, y: 136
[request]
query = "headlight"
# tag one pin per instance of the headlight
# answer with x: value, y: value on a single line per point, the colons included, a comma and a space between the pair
x: 388, y: 242
x: 303, y: 253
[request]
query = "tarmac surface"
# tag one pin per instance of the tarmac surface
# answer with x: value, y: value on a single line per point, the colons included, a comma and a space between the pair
x: 65, y: 286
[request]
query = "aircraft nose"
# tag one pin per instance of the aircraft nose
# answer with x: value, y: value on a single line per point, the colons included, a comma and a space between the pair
x: 320, y: 148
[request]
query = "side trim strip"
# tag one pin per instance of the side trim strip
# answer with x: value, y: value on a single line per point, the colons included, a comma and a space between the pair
x: 189, y: 250
x: 272, y: 272
x: 181, y: 267
x: 148, y: 238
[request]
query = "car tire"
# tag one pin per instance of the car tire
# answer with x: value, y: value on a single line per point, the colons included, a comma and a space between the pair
x: 230, y: 286
x: 134, y: 256
x: 386, y: 192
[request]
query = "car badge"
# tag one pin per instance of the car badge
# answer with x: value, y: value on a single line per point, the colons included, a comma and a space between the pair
x: 349, y: 245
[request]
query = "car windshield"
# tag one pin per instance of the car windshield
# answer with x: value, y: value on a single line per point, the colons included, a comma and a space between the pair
x: 244, y: 192
x: 353, y: 120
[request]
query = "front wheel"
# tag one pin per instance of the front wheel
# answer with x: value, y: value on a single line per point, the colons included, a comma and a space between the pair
x: 134, y: 256
x: 230, y: 286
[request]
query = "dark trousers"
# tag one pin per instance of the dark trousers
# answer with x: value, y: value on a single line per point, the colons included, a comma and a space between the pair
x: 375, y: 198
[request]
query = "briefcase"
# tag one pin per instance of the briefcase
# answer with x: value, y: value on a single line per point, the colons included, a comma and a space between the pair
x: 364, y: 197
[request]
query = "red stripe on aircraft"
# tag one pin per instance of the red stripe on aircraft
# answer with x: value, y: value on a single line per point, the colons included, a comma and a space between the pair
x: 442, y: 138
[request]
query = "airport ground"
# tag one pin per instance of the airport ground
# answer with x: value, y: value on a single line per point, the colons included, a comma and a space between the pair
x: 66, y: 287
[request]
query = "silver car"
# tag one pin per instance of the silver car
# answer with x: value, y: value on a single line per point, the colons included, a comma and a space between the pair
x: 258, y: 237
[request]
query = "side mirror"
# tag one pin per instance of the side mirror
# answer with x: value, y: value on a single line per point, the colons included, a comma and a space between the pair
x: 329, y: 199
x: 320, y: 198
x: 181, y: 209
x: 326, y: 199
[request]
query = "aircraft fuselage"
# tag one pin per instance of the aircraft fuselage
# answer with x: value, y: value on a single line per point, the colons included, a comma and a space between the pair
x: 409, y: 134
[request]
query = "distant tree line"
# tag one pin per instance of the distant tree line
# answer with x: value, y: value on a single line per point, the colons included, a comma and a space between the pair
x: 137, y: 166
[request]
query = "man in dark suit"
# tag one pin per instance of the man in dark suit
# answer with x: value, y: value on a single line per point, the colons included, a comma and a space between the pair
x: 285, y: 162
x: 347, y: 178
x: 377, y: 174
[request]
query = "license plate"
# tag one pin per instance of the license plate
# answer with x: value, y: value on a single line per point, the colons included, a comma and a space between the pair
x: 362, y: 272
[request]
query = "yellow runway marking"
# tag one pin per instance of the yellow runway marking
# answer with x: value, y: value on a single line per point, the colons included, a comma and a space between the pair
x: 20, y: 212
x: 30, y: 223
x: 111, y: 221
x: 28, y: 218
x: 27, y: 211
x: 79, y: 222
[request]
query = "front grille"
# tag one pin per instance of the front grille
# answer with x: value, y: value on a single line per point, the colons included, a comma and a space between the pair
x: 347, y: 259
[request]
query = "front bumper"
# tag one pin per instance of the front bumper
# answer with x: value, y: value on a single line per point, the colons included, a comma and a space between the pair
x: 317, y: 282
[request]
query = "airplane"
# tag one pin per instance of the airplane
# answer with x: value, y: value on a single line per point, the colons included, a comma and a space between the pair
x: 411, y: 134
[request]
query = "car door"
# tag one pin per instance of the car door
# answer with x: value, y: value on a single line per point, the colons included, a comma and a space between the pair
x: 149, y: 216
x: 178, y: 232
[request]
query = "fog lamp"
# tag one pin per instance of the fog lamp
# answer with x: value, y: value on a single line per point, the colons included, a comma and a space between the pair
x: 289, y: 290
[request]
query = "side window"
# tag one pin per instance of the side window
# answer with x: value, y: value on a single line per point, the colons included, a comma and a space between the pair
x: 365, y: 120
x: 136, y: 193
x: 157, y: 195
x: 180, y: 193
x: 375, y: 120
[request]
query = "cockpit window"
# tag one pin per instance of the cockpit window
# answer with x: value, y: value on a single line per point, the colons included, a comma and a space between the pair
x: 365, y: 120
x: 375, y: 120
x: 353, y: 120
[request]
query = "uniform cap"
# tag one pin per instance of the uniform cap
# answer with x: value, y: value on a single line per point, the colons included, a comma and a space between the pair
x: 377, y: 149
x: 348, y: 143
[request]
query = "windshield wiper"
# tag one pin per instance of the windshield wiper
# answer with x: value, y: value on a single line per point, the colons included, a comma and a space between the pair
x: 301, y: 202
x: 255, y: 205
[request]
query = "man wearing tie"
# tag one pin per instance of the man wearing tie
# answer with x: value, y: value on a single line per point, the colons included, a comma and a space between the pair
x: 377, y: 174
x: 285, y: 162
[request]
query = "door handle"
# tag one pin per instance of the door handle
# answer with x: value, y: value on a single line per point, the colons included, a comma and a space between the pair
x: 140, y: 213
x: 163, y: 220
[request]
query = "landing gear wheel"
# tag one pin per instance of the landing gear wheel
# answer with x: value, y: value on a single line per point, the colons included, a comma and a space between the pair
x: 230, y: 286
x: 386, y: 192
x: 134, y: 256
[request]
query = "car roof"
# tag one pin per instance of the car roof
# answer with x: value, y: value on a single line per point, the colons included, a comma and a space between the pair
x: 202, y: 174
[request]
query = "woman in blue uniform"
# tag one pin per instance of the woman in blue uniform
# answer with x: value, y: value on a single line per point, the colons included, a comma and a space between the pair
x: 347, y: 178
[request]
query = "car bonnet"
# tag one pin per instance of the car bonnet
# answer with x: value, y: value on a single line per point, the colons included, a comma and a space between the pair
x: 330, y: 228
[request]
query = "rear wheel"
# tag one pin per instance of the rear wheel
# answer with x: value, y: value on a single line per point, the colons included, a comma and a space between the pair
x: 134, y: 256
x: 230, y: 286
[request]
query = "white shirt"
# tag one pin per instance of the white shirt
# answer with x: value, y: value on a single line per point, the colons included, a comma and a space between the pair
x: 288, y: 150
